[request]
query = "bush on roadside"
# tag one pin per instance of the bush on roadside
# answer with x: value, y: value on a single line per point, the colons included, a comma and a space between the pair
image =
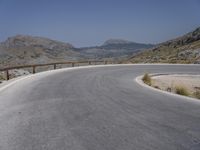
x: 1, y: 77
x: 197, y: 94
x: 157, y: 87
x: 147, y: 79
x: 181, y: 90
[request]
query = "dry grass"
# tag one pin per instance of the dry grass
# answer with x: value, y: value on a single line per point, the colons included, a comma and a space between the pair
x: 197, y: 94
x: 2, y: 77
x: 147, y: 79
x: 181, y: 90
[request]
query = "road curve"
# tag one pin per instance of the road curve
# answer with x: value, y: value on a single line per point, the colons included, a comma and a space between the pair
x: 100, y: 108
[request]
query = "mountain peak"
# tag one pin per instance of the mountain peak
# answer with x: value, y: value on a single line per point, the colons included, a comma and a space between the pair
x: 27, y: 40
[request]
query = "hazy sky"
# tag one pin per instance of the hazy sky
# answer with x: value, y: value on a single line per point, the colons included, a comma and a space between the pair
x: 91, y: 22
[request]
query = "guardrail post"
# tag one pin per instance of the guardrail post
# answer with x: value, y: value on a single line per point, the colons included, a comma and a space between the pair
x: 89, y: 62
x: 72, y: 64
x: 33, y: 69
x: 105, y: 62
x: 54, y: 66
x: 7, y: 74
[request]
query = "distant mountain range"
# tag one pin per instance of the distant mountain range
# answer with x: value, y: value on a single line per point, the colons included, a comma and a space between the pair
x: 23, y: 49
x: 184, y: 49
x: 114, y: 48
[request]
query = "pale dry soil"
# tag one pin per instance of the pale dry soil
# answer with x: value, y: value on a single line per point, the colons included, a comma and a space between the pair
x: 169, y: 82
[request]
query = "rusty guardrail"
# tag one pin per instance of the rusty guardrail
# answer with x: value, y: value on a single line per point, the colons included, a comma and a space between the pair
x: 6, y: 69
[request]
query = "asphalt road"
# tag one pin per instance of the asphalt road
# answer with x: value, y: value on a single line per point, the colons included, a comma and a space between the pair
x: 99, y: 108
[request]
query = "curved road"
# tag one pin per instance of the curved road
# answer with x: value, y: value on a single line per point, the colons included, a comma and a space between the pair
x: 100, y: 108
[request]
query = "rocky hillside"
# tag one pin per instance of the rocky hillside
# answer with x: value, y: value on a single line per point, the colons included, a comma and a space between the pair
x: 22, y: 49
x: 114, y: 48
x: 184, y: 49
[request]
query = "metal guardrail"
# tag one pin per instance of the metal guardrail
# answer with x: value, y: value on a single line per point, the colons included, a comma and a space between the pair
x: 6, y: 69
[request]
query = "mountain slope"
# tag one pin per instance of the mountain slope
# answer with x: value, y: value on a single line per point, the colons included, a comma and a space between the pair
x: 184, y: 49
x: 122, y: 44
x: 23, y: 49
x: 114, y: 48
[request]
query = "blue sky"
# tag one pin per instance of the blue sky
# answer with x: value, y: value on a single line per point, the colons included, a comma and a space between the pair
x: 91, y: 22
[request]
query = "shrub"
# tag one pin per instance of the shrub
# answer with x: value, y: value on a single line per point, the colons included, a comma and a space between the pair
x: 169, y: 89
x: 147, y: 79
x: 181, y: 90
x: 1, y: 77
x: 197, y: 94
x: 157, y: 87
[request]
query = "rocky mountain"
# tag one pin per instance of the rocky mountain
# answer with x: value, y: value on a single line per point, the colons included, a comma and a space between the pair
x: 22, y: 49
x: 184, y: 49
x: 122, y: 44
x: 116, y: 41
x: 114, y: 48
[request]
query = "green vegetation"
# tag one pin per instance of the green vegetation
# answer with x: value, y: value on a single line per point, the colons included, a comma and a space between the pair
x: 181, y: 90
x: 147, y: 79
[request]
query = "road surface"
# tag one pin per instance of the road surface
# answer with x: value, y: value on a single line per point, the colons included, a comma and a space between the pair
x: 100, y: 108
